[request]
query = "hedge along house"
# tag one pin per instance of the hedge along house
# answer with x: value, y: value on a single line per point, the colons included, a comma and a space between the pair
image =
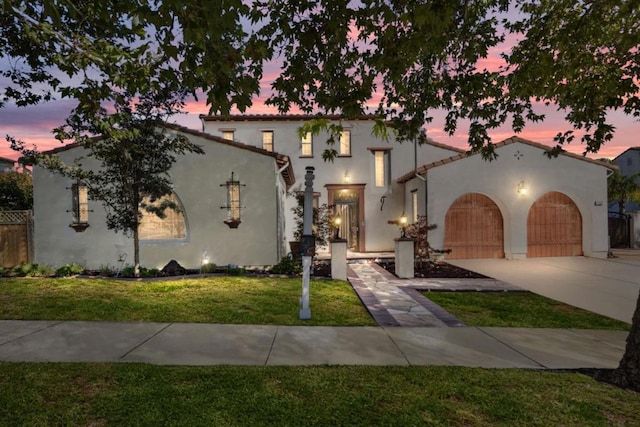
x: 523, y: 204
x: 361, y: 181
x: 231, y: 185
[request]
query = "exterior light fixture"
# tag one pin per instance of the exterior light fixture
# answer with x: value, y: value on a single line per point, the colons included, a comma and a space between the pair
x: 522, y: 188
x: 79, y: 206
x: 233, y: 202
x: 403, y: 225
x: 205, y: 258
x: 346, y: 179
x: 337, y: 221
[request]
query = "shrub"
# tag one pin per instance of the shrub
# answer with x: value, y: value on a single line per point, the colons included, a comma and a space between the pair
x: 107, y: 270
x: 32, y: 270
x: 69, y: 270
x: 208, y: 268
x: 2, y: 272
x: 419, y: 232
x: 322, y: 221
x: 129, y: 271
x: 236, y: 271
x: 288, y: 266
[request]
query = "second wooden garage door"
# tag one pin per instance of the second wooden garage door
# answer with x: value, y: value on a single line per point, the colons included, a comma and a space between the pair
x: 554, y: 227
x: 473, y: 228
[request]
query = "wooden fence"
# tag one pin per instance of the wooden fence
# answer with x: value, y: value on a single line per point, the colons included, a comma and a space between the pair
x: 16, y: 238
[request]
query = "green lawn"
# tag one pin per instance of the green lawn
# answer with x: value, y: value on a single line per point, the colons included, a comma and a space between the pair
x: 147, y: 395
x: 245, y: 300
x: 519, y: 309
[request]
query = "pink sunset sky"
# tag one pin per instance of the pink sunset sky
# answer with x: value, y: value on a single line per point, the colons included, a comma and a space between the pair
x: 34, y: 124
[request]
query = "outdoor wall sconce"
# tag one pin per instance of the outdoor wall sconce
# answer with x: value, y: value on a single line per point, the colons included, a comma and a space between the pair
x: 522, y: 189
x: 336, y: 223
x: 233, y: 202
x: 346, y: 179
x: 404, y: 220
x: 79, y: 206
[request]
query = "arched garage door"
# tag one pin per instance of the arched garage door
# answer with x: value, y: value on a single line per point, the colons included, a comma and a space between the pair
x: 554, y: 227
x: 473, y: 228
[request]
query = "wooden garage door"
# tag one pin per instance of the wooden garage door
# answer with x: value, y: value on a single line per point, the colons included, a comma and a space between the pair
x: 554, y: 227
x: 473, y: 228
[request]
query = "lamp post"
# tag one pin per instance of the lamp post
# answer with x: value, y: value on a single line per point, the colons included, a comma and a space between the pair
x: 403, y: 226
x: 336, y: 223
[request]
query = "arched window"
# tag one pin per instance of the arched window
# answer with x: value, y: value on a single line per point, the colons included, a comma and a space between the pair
x: 173, y: 226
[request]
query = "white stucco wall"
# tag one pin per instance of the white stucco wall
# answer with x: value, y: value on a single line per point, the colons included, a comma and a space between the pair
x: 585, y: 183
x: 197, y: 182
x: 359, y: 166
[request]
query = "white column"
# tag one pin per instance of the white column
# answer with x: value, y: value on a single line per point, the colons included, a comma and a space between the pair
x: 339, y: 259
x: 404, y: 258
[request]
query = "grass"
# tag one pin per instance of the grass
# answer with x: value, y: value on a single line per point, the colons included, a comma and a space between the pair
x: 519, y: 309
x: 244, y: 300
x: 147, y: 395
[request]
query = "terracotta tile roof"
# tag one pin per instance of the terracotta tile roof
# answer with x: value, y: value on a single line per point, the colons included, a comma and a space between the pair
x: 306, y: 117
x: 281, y: 159
x: 507, y: 141
x: 281, y: 117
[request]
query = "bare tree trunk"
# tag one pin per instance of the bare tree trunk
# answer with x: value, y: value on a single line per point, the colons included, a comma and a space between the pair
x: 136, y: 253
x: 627, y: 375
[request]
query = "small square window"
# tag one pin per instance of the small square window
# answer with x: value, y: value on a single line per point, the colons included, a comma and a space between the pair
x: 228, y: 135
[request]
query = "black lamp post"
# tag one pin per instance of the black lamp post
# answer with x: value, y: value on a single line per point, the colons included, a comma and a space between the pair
x: 336, y: 222
x: 403, y: 226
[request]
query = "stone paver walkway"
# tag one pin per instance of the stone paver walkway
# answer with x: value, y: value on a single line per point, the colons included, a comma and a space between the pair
x: 399, y: 302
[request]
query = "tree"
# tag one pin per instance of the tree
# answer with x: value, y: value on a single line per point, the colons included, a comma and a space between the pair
x: 622, y: 189
x: 405, y: 58
x: 134, y: 152
x: 16, y: 191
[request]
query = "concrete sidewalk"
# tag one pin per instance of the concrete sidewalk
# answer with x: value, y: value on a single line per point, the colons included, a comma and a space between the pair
x: 214, y: 344
x: 605, y: 286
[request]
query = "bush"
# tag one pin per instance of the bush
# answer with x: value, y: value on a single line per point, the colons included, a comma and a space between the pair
x: 32, y: 270
x: 69, y: 270
x: 107, y: 270
x: 236, y: 271
x: 288, y: 266
x: 208, y: 268
x: 129, y: 271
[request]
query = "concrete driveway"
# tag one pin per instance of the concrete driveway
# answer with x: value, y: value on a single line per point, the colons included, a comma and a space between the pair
x: 606, y: 286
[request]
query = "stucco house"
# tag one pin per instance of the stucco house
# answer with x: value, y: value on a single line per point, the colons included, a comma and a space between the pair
x: 629, y: 164
x: 6, y: 165
x: 232, y: 182
x: 362, y: 180
x: 523, y: 204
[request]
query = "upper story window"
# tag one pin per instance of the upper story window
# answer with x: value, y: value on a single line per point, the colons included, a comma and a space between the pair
x: 307, y: 145
x: 629, y: 161
x: 381, y: 166
x: 267, y: 140
x: 228, y: 135
x: 345, y: 143
x: 172, y: 226
x: 414, y: 206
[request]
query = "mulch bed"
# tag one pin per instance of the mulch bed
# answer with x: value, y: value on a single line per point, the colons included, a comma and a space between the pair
x: 435, y: 270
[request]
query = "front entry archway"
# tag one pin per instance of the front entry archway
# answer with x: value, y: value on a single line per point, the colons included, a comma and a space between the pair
x: 474, y: 228
x: 554, y: 227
